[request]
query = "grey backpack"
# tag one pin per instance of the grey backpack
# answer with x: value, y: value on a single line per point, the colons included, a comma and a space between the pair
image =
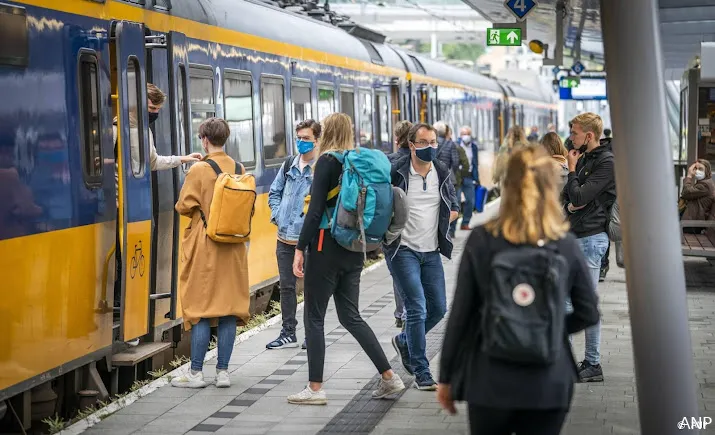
x: 524, y: 315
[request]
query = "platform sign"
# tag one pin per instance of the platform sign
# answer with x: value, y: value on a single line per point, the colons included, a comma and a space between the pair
x: 588, y: 88
x: 504, y: 37
x: 556, y: 70
x: 520, y: 8
x: 578, y: 67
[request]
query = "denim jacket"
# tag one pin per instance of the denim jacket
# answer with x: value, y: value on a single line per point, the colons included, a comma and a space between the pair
x: 400, y: 178
x: 286, y: 198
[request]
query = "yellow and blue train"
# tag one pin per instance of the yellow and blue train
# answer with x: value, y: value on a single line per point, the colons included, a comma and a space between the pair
x: 71, y: 69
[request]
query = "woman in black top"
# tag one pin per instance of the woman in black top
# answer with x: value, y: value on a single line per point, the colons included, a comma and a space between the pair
x: 331, y: 270
x: 507, y: 397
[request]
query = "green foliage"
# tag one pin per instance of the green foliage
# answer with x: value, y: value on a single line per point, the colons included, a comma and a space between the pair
x: 55, y: 424
x: 462, y: 51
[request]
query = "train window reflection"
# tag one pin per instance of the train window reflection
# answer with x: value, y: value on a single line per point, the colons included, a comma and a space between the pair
x: 273, y: 119
x: 300, y: 95
x: 89, y: 119
x: 136, y: 143
x: 326, y: 103
x: 366, y: 108
x: 238, y: 109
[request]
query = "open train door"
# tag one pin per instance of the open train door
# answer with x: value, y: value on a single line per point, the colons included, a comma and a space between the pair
x: 177, y: 49
x: 134, y: 178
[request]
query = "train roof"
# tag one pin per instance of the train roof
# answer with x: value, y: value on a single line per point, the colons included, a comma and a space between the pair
x: 446, y: 72
x: 521, y: 92
x: 271, y: 22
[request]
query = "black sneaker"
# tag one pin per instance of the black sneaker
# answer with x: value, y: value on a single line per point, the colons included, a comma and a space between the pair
x: 588, y: 372
x: 283, y: 341
x: 602, y: 276
x: 304, y: 345
x: 399, y: 323
x: 425, y: 382
x: 404, y: 353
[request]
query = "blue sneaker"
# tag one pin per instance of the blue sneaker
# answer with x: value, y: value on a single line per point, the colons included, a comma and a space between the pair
x: 283, y: 341
x: 404, y: 354
x: 425, y: 382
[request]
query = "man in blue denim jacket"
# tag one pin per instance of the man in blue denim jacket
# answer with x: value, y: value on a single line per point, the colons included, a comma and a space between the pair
x: 286, y: 198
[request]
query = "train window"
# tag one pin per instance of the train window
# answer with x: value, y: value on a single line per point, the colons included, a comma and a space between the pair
x: 347, y: 103
x: 366, y: 109
x: 136, y: 143
x: 201, y: 95
x: 238, y: 109
x: 326, y: 102
x: 14, y: 45
x: 383, y: 121
x: 418, y: 65
x: 273, y: 119
x: 300, y: 95
x: 184, y: 142
x: 89, y: 118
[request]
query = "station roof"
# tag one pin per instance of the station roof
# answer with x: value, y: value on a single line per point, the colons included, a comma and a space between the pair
x: 683, y: 23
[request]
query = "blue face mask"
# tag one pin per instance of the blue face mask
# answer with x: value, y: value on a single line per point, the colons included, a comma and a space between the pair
x: 305, y: 146
x: 426, y: 154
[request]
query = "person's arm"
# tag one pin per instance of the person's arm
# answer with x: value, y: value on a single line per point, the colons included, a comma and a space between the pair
x: 454, y: 201
x: 599, y: 180
x: 475, y: 164
x: 189, y: 197
x: 160, y: 163
x: 693, y: 190
x: 583, y: 294
x: 464, y: 311
x: 275, y: 194
x: 326, y: 169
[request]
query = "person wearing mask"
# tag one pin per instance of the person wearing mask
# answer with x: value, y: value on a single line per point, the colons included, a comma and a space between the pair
x: 213, y: 285
x: 552, y: 142
x: 333, y: 271
x: 415, y: 254
x: 529, y: 397
x: 698, y: 194
x: 470, y: 174
x: 285, y: 199
x: 402, y: 131
x: 588, y: 196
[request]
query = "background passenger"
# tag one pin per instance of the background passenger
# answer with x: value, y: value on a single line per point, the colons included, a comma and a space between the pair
x: 331, y: 270
x: 515, y: 138
x: 698, y: 194
x: 213, y: 285
x: 504, y: 396
x: 470, y: 175
x: 294, y: 179
x: 552, y: 143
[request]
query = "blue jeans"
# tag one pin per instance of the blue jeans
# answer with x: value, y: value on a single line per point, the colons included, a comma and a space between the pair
x: 594, y: 248
x: 400, y: 312
x: 467, y: 188
x: 421, y: 281
x: 201, y: 335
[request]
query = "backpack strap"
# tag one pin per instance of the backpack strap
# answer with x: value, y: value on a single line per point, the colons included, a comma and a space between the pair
x: 287, y: 164
x: 215, y: 166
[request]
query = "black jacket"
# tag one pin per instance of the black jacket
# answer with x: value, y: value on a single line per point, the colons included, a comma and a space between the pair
x: 483, y: 381
x: 401, y: 174
x: 593, y: 185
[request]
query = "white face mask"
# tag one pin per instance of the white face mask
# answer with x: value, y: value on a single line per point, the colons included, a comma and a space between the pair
x: 699, y: 175
x: 466, y: 139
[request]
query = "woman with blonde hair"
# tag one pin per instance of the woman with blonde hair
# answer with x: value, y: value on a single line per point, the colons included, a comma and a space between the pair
x: 552, y: 142
x: 331, y: 270
x: 515, y: 139
x: 515, y: 274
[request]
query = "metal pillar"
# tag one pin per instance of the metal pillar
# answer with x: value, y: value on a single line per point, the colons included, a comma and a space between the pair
x: 644, y: 174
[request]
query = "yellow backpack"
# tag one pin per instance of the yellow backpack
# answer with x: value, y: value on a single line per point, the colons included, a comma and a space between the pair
x: 232, y: 207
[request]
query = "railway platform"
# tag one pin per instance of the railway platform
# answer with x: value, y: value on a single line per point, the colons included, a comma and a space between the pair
x: 261, y: 379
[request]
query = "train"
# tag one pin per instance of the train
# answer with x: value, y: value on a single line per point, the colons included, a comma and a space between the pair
x: 71, y: 69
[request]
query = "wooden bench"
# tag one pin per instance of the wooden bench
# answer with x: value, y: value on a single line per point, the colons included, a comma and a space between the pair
x: 698, y: 245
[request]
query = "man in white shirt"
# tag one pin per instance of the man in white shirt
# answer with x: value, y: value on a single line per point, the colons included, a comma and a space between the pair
x: 416, y: 261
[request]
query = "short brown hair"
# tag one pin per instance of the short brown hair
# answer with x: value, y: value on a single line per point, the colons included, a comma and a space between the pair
x: 155, y: 95
x: 216, y: 130
x: 412, y: 136
x: 311, y: 124
x: 402, y: 131
x: 552, y: 142
x: 589, y: 123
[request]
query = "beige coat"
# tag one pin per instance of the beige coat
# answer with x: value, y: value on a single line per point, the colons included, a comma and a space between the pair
x: 214, y: 276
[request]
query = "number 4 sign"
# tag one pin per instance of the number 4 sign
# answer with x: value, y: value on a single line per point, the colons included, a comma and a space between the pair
x: 520, y: 8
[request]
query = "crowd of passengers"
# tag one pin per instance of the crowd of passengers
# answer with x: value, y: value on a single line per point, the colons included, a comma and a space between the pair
x: 527, y: 279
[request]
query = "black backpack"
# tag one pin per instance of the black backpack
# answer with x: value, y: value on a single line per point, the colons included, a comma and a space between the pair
x: 524, y: 315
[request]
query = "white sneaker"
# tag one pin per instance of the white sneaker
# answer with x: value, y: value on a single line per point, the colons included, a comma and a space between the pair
x: 309, y: 397
x: 133, y: 343
x: 388, y: 387
x: 189, y: 380
x: 222, y: 380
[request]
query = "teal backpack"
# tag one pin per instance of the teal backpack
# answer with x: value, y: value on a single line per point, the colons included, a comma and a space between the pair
x: 363, y: 212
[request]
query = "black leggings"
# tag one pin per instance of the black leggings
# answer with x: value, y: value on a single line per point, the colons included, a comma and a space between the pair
x: 335, y: 271
x: 491, y: 421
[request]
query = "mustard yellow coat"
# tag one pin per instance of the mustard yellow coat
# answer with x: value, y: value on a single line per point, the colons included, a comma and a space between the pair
x: 213, y: 281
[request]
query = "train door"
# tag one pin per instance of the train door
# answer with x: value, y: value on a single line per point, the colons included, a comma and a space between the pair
x: 134, y: 182
x: 396, y: 105
x: 180, y: 140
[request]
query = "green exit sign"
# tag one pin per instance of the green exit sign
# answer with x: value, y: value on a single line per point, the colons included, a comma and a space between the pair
x: 504, y: 37
x: 570, y: 82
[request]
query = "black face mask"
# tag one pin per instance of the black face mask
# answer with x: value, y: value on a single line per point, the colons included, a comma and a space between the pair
x: 153, y: 117
x: 568, y: 144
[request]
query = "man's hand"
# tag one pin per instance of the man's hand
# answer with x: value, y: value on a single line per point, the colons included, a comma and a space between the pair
x: 453, y: 215
x: 572, y: 159
x: 298, y: 264
x: 193, y: 157
x: 444, y: 397
x: 573, y: 208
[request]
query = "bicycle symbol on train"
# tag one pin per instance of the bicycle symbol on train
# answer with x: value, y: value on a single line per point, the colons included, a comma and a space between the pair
x: 137, y: 261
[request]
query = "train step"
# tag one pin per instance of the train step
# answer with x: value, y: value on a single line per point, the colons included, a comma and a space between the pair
x: 134, y: 355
